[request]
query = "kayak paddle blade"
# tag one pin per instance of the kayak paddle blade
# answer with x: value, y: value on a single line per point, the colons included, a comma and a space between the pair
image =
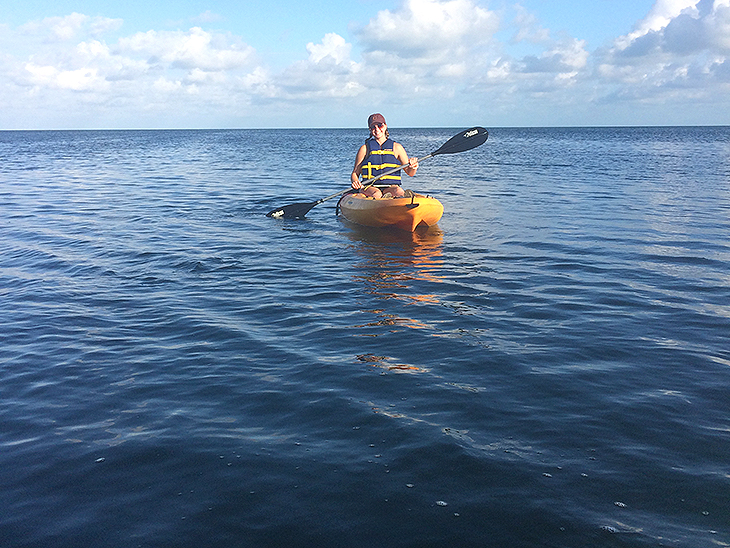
x: 291, y: 211
x: 466, y: 140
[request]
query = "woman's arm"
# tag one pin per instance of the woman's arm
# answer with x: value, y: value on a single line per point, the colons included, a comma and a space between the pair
x: 357, y: 170
x: 400, y: 153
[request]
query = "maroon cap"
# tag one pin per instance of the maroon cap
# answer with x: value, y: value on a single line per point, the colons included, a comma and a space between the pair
x: 375, y: 119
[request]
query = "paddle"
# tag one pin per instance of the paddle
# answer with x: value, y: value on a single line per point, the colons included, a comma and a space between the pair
x: 463, y: 141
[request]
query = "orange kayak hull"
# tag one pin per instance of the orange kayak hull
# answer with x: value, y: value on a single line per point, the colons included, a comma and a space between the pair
x: 403, y: 213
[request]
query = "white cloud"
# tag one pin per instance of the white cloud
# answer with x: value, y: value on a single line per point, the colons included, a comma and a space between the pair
x: 329, y: 72
x: 83, y: 79
x: 70, y: 27
x: 679, y: 45
x: 660, y: 15
x: 72, y: 71
x: 424, y: 36
x: 207, y: 17
x: 430, y: 27
x: 332, y: 46
x: 448, y: 55
x: 680, y: 27
x: 426, y: 48
x: 529, y: 28
x: 194, y: 49
x: 565, y: 58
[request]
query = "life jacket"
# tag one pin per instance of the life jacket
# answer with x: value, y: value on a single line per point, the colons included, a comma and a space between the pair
x: 379, y: 159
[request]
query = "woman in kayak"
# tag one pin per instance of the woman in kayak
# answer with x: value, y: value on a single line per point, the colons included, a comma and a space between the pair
x: 378, y: 155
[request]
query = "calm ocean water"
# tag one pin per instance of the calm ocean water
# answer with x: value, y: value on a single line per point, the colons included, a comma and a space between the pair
x: 548, y: 367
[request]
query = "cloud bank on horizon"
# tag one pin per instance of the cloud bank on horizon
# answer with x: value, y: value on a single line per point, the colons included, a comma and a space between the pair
x: 425, y: 63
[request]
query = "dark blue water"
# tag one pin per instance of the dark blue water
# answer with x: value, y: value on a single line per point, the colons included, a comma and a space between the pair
x: 548, y: 367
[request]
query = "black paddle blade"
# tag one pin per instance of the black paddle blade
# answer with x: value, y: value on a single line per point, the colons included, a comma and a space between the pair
x: 292, y: 211
x: 466, y: 140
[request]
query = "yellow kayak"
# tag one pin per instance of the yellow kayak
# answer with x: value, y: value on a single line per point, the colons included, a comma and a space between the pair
x: 404, y: 213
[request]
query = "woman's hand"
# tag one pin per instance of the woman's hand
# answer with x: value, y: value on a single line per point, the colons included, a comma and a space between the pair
x: 412, y: 166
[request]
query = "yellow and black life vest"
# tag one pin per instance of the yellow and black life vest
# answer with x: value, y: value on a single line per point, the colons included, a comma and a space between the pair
x: 380, y: 158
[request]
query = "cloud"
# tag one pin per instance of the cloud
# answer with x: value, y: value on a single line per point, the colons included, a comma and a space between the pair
x: 208, y: 17
x: 333, y: 46
x: 328, y: 72
x: 682, y: 27
x: 426, y: 48
x: 529, y: 28
x: 78, y: 79
x: 430, y: 28
x: 563, y: 58
x: 194, y: 49
x: 73, y: 70
x: 680, y: 44
x: 70, y: 27
x: 452, y: 56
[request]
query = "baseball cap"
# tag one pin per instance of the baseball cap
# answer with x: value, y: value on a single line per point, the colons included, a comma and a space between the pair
x: 375, y: 119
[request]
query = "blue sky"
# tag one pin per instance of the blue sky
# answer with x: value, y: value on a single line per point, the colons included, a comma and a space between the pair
x: 220, y: 64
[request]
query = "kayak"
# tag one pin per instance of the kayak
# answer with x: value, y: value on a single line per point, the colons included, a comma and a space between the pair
x: 405, y: 213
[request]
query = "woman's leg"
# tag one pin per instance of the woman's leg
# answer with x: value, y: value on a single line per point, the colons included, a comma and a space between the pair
x: 373, y: 192
x: 395, y: 190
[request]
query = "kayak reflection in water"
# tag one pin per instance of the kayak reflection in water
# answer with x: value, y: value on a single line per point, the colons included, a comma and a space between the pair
x: 378, y: 155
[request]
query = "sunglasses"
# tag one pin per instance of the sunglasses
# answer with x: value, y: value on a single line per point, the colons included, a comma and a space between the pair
x: 377, y: 124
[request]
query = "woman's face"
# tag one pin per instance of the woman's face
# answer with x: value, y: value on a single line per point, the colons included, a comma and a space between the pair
x: 378, y: 129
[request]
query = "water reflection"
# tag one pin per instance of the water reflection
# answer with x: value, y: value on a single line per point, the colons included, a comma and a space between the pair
x: 395, y: 266
x: 385, y: 362
x: 393, y: 257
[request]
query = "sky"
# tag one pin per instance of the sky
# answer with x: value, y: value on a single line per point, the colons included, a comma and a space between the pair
x: 104, y: 64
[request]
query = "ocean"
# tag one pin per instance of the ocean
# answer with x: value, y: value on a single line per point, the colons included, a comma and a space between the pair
x: 547, y: 367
